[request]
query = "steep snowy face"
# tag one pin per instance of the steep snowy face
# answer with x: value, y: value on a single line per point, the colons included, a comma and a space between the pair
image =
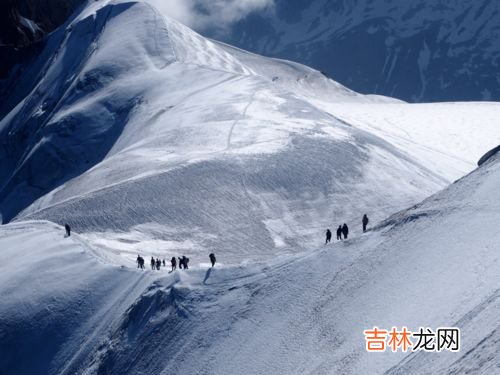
x: 69, y: 106
x: 60, y: 302
x: 413, y: 50
x: 131, y: 124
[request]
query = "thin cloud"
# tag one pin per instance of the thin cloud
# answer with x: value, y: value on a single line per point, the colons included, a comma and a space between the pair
x: 216, y: 15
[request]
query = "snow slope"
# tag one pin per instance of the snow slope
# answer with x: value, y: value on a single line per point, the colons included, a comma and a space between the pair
x: 145, y: 136
x: 58, y: 300
x: 447, y: 138
x: 433, y: 265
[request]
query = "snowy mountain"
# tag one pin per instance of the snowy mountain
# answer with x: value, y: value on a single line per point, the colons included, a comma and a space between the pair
x: 148, y: 138
x: 139, y: 132
x: 414, y: 50
x: 435, y: 264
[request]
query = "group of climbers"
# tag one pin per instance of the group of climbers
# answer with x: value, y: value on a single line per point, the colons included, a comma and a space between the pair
x: 343, y: 230
x: 183, y: 262
x: 156, y: 264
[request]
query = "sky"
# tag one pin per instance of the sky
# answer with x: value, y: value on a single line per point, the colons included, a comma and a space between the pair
x: 216, y: 15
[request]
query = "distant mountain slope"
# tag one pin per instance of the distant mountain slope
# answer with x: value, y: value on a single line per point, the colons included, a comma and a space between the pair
x: 417, y: 51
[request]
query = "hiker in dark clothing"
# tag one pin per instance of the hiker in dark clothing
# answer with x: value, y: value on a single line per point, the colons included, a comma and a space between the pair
x: 212, y: 258
x: 365, y: 222
x: 158, y: 264
x: 345, y: 231
x: 181, y: 263
x: 153, y: 263
x: 68, y: 230
x: 185, y: 261
x: 164, y: 264
x: 339, y: 233
x: 140, y: 261
x: 173, y: 263
x: 328, y: 236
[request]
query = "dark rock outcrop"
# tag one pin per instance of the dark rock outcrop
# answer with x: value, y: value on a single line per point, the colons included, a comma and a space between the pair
x: 488, y: 155
x: 24, y: 23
